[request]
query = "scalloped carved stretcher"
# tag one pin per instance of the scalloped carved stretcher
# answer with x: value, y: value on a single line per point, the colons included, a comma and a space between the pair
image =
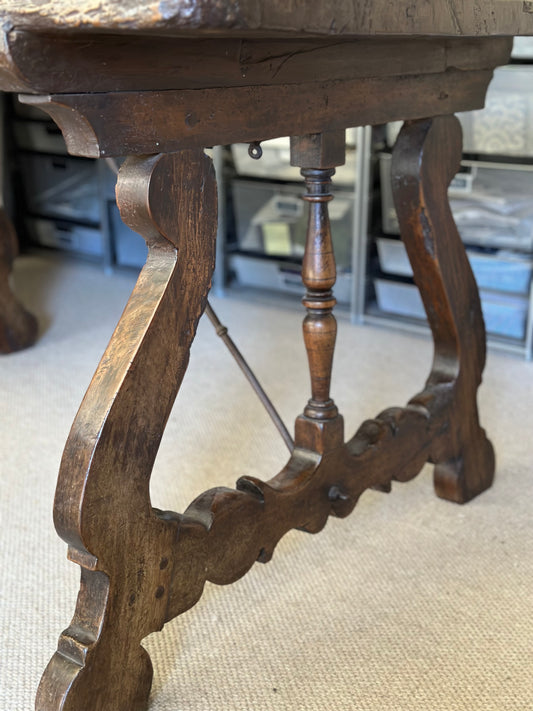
x: 158, y: 82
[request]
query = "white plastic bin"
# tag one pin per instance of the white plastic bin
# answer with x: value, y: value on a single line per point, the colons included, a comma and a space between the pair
x: 87, y: 241
x: 271, y: 218
x: 40, y: 136
x: 61, y: 186
x: 491, y: 203
x: 504, y: 314
x: 500, y: 271
x: 281, y: 276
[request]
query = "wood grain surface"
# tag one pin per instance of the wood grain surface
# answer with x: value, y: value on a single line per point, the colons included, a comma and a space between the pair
x: 248, y: 17
x: 104, y: 63
x: 122, y: 123
x: 425, y: 159
x: 102, y: 507
x: 226, y: 72
x: 142, y: 567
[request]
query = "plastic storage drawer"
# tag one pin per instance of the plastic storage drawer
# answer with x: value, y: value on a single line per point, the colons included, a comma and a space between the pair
x: 491, y: 204
x: 40, y: 136
x: 286, y: 277
x: 79, y: 239
x: 504, y: 314
x: 271, y: 219
x: 60, y: 186
x: 500, y: 271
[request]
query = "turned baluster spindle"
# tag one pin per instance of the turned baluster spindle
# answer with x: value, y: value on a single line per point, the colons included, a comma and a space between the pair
x: 317, y: 155
x: 319, y: 275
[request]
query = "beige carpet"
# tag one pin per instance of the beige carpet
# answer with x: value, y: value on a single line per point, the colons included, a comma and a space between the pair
x: 411, y: 603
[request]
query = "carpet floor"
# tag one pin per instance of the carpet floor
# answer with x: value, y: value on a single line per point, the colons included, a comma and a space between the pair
x: 410, y: 604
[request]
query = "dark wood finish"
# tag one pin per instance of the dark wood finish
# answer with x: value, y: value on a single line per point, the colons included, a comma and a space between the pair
x: 102, y: 507
x: 104, y: 63
x: 172, y: 120
x: 426, y: 157
x: 320, y: 428
x: 18, y: 328
x: 141, y: 567
x: 256, y: 17
x: 159, y: 84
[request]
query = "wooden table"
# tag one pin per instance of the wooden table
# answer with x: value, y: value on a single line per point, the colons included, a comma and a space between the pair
x: 158, y: 82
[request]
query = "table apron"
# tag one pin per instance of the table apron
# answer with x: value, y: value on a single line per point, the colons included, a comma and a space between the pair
x: 166, y: 121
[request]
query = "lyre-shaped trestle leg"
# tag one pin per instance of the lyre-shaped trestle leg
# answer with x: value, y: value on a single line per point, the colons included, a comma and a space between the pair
x: 425, y: 159
x: 320, y: 428
x: 140, y: 567
x: 102, y: 509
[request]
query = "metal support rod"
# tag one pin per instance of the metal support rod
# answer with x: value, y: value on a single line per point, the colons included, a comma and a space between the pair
x: 222, y: 331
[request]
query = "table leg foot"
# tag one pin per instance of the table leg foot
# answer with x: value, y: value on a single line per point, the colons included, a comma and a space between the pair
x: 464, y: 477
x: 425, y: 159
x: 18, y: 328
x: 102, y: 508
x: 99, y: 664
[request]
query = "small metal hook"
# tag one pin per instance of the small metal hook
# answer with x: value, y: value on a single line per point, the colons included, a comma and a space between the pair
x: 254, y: 150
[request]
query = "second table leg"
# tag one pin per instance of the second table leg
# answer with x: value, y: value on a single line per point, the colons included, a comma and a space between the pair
x: 18, y: 328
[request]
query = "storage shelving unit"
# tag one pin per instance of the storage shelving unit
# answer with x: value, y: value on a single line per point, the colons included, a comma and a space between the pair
x: 69, y: 204
x: 271, y: 222
x: 61, y: 202
x: 491, y: 201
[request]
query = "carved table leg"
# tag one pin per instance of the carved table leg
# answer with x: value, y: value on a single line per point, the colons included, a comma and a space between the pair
x: 425, y: 159
x: 141, y: 568
x: 18, y: 328
x: 320, y: 428
x: 102, y: 508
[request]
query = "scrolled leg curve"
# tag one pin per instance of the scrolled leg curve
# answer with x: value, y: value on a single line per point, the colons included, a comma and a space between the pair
x: 102, y: 508
x: 426, y: 157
